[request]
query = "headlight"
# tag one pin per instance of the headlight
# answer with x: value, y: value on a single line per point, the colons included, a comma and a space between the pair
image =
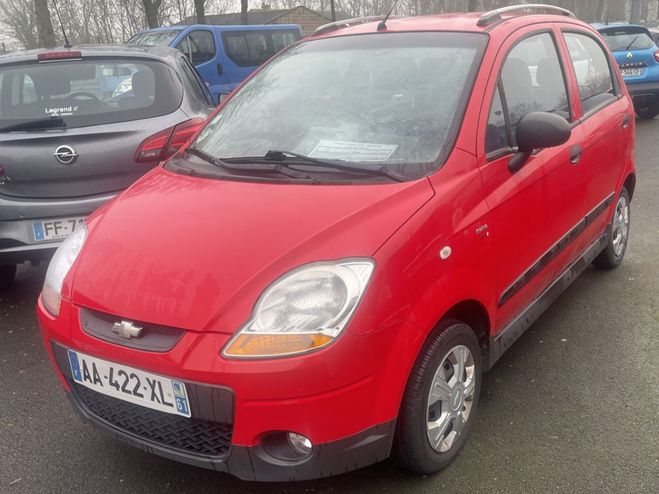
x: 304, y: 310
x: 59, y: 266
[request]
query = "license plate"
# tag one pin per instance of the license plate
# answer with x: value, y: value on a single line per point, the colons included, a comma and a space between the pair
x: 129, y: 384
x: 55, y: 229
x: 632, y: 72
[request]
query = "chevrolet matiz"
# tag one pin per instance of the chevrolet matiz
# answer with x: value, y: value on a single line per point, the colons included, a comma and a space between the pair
x: 318, y: 279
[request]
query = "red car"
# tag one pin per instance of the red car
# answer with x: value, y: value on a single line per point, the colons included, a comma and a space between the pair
x: 318, y: 280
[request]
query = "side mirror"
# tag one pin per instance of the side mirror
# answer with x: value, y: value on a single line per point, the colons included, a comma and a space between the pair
x: 538, y: 130
x: 221, y: 97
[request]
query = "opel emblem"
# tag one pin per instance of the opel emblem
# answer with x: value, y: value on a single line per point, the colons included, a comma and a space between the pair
x: 127, y: 329
x: 65, y: 155
x: 630, y: 55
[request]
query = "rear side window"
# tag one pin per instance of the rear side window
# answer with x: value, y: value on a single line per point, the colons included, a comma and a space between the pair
x: 87, y: 92
x: 592, y: 69
x: 533, y: 80
x: 196, y: 84
x: 252, y: 48
x: 199, y: 46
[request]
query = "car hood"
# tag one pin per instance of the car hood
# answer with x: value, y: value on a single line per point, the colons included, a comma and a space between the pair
x: 196, y: 253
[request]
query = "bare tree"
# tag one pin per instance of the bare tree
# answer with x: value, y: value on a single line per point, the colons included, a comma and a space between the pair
x: 471, y: 6
x: 243, y: 11
x: 45, y: 32
x: 151, y: 12
x: 200, y: 11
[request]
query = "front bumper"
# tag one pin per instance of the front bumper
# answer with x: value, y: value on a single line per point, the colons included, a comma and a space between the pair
x: 17, y: 241
x: 350, y: 418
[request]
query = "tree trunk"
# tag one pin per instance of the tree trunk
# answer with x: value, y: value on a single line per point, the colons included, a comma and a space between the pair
x: 45, y: 30
x: 471, y: 6
x: 243, y: 11
x: 200, y: 11
x: 151, y: 12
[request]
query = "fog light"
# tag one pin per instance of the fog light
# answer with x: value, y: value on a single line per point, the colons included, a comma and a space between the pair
x: 300, y: 444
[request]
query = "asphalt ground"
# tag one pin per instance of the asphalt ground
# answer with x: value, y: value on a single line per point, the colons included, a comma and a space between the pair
x: 572, y: 407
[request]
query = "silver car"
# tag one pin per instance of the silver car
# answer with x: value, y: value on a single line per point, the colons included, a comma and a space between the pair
x: 79, y: 125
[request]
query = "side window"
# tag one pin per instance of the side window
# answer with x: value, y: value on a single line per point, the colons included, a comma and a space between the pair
x: 198, y: 46
x: 247, y: 48
x: 497, y: 131
x: 281, y: 39
x: 592, y: 69
x: 533, y: 79
x: 197, y: 85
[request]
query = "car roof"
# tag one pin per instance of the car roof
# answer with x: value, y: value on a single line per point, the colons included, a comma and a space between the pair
x: 451, y: 22
x: 222, y: 27
x: 162, y: 53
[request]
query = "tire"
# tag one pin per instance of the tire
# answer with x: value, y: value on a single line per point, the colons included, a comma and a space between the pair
x: 618, y: 234
x: 648, y: 112
x: 7, y: 275
x: 422, y: 419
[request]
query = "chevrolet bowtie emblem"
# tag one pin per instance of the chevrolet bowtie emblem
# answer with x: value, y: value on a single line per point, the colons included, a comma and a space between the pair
x: 127, y: 329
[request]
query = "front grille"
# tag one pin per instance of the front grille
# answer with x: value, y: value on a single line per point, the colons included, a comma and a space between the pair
x: 200, y: 437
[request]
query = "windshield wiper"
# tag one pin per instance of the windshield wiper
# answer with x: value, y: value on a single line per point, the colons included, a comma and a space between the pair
x: 42, y: 123
x: 633, y: 41
x: 277, y: 168
x: 289, y: 158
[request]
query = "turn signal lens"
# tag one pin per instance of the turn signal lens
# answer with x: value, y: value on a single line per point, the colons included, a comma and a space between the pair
x: 273, y: 345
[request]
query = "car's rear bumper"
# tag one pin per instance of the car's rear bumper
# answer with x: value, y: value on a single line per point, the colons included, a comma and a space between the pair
x: 644, y: 92
x: 17, y: 241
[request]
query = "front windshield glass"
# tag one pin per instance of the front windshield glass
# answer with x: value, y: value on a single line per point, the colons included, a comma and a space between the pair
x: 387, y: 99
x: 628, y: 39
x: 153, y: 38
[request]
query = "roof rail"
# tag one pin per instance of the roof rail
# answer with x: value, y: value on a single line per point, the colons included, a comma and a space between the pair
x: 347, y: 23
x: 495, y: 15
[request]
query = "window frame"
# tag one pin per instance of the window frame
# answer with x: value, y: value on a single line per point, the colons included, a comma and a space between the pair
x: 267, y: 34
x: 195, y: 79
x: 614, y: 75
x: 189, y: 52
x: 500, y: 153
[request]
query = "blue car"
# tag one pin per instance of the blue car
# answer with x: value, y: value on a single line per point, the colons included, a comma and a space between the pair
x: 638, y: 58
x: 223, y: 55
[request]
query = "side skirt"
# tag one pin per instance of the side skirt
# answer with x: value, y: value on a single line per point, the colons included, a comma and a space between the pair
x: 503, y: 340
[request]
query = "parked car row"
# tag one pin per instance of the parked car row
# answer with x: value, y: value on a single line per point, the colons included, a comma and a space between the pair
x: 317, y: 281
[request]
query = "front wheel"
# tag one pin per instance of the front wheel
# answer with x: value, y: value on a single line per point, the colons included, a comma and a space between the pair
x: 440, y: 400
x: 618, y: 234
x: 7, y: 275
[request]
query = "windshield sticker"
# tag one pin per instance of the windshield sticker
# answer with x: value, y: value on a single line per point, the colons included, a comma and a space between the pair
x: 352, y: 151
x: 61, y: 111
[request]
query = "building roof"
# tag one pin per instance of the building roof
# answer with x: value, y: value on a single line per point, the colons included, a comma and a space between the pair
x: 257, y: 16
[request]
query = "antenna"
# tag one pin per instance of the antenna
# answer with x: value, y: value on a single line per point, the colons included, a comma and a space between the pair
x: 382, y: 26
x: 66, y: 39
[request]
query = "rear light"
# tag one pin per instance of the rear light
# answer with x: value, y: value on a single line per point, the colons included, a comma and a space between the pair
x: 656, y: 55
x: 58, y: 55
x: 166, y: 143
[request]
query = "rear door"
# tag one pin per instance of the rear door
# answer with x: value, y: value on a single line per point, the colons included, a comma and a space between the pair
x: 71, y: 128
x: 606, y: 120
x: 535, y: 208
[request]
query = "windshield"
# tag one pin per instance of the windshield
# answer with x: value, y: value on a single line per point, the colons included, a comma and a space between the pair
x: 87, y: 92
x: 152, y: 38
x: 389, y: 99
x: 628, y: 39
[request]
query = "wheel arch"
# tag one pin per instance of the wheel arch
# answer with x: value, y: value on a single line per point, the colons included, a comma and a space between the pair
x: 630, y: 184
x: 475, y: 315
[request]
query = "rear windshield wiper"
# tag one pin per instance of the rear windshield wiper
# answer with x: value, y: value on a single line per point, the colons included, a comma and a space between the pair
x: 289, y: 158
x: 633, y: 41
x: 275, y: 167
x: 42, y: 123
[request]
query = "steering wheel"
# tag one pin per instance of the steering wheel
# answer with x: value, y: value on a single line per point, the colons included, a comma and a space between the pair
x: 85, y: 94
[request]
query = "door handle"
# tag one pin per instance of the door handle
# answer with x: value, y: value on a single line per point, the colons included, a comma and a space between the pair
x: 576, y: 152
x: 625, y: 121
